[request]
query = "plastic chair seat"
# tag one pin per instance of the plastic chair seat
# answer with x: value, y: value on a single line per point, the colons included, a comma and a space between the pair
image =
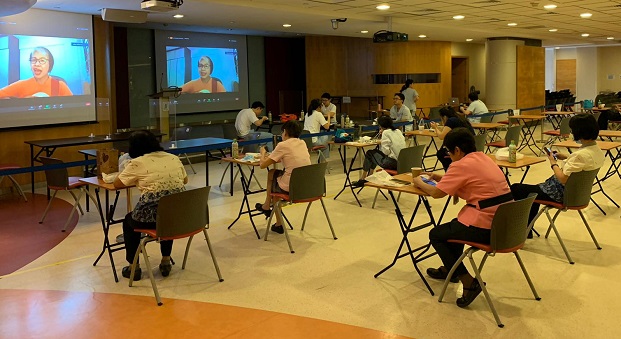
x: 391, y: 172
x: 153, y: 234
x: 504, y: 122
x: 318, y: 147
x: 9, y: 166
x: 500, y: 143
x: 486, y: 248
x: 555, y: 133
x: 74, y: 182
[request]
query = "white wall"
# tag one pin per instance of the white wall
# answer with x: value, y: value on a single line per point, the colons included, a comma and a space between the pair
x: 551, y: 69
x: 476, y: 63
x: 609, y: 63
x: 586, y: 73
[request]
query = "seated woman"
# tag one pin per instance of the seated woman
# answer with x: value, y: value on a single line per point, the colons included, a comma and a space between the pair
x: 156, y: 174
x: 476, y: 107
x: 585, y: 130
x: 292, y: 152
x: 450, y: 120
x: 386, y: 156
x: 313, y: 123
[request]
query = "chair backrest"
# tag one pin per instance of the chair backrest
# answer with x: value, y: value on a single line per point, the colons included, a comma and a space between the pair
x: 308, y: 182
x: 578, y: 188
x: 510, y: 223
x: 564, y: 129
x: 513, y: 133
x: 410, y: 157
x: 307, y: 140
x: 479, y: 141
x: 182, y: 213
x: 487, y: 118
x: 55, y: 177
x: 254, y: 148
x: 434, y: 113
x: 229, y: 131
x: 182, y: 133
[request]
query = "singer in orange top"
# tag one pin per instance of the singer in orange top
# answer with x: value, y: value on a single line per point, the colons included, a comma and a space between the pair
x: 206, y: 83
x: 42, y: 84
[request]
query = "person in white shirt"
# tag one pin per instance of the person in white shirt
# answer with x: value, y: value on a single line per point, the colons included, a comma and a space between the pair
x: 313, y: 123
x: 386, y: 155
x: 399, y: 112
x: 328, y: 109
x: 476, y: 107
x: 248, y: 117
x: 411, y: 95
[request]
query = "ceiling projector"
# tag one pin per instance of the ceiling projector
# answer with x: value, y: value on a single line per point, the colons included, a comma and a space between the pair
x: 160, y: 5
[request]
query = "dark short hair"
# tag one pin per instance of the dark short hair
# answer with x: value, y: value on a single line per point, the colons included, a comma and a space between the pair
x: 400, y: 95
x: 473, y: 95
x: 293, y: 128
x: 210, y: 63
x: 460, y: 137
x: 257, y: 104
x: 385, y: 122
x: 584, y: 126
x: 45, y: 51
x: 314, y: 104
x: 143, y: 142
x: 326, y: 96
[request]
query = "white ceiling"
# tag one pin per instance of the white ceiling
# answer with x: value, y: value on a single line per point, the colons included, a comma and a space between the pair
x: 483, y: 18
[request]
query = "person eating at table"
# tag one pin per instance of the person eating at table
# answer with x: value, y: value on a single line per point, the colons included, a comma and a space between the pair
x: 156, y: 174
x: 292, y: 152
x: 400, y: 112
x: 328, y: 109
x: 476, y: 107
x: 387, y: 153
x: 313, y: 123
x: 451, y: 120
x: 474, y: 177
x: 585, y: 130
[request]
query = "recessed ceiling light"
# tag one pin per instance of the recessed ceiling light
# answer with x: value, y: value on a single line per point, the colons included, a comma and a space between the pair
x: 231, y: 22
x: 422, y: 36
x: 557, y: 48
x: 585, y: 34
x: 610, y: 38
x: 383, y: 7
x: 586, y: 15
x: 512, y: 24
x: 550, y: 6
x: 458, y: 17
x: 364, y: 32
x: 178, y: 16
x: 552, y: 30
x: 468, y: 40
x: 286, y: 25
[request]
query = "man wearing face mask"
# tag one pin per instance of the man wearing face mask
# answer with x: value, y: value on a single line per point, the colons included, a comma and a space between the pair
x: 42, y: 84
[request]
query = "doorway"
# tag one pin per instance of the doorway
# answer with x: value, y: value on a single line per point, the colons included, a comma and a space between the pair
x: 459, y: 78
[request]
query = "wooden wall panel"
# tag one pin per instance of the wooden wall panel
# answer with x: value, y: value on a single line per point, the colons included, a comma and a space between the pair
x: 344, y: 66
x: 12, y: 146
x: 530, y: 76
x: 566, y: 75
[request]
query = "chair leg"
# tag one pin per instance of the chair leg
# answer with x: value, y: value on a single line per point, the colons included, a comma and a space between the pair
x: 532, y: 223
x: 18, y: 188
x: 190, y: 163
x: 269, y: 221
x: 483, y: 262
x: 77, y: 200
x: 325, y: 211
x: 285, y: 228
x: 560, y: 240
x: 150, y: 271
x: 589, y: 229
x: 306, y: 214
x: 530, y: 283
x: 48, y: 207
x: 551, y: 222
x: 450, y: 274
x: 375, y: 198
x: 77, y: 204
x: 213, y: 256
x: 484, y: 288
x: 187, y: 251
x: 224, y: 173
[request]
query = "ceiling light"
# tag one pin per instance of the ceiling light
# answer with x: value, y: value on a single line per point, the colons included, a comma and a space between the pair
x: 550, y: 6
x: 286, y: 25
x: 586, y: 15
x: 512, y: 24
x: 364, y: 32
x: 178, y: 16
x: 468, y: 40
x: 557, y: 48
x: 422, y: 36
x: 383, y: 7
x: 610, y: 38
x: 552, y: 30
x: 458, y: 17
x: 585, y: 34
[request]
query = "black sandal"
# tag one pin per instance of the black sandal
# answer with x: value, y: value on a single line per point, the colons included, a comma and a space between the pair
x: 259, y: 207
x: 470, y: 293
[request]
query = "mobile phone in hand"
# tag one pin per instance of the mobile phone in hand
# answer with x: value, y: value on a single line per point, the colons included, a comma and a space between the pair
x: 549, y: 151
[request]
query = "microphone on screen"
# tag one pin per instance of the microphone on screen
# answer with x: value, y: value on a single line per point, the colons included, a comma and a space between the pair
x: 161, y: 80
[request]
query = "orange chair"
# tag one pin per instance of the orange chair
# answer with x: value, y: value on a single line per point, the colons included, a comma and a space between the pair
x: 15, y: 183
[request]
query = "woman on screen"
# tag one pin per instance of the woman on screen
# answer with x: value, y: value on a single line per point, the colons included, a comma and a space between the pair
x: 206, y: 83
x: 42, y: 84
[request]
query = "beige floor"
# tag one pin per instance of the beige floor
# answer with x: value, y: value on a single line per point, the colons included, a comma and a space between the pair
x: 333, y: 279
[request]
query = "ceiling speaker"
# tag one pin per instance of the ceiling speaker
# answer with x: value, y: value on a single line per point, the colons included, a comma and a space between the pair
x: 121, y: 15
x: 10, y: 7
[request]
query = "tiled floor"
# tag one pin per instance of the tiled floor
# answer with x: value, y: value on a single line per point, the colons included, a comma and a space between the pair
x: 325, y: 279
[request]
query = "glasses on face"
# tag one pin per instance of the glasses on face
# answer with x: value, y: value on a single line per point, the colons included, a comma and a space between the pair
x: 203, y: 66
x: 397, y: 98
x: 325, y: 100
x: 40, y: 61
